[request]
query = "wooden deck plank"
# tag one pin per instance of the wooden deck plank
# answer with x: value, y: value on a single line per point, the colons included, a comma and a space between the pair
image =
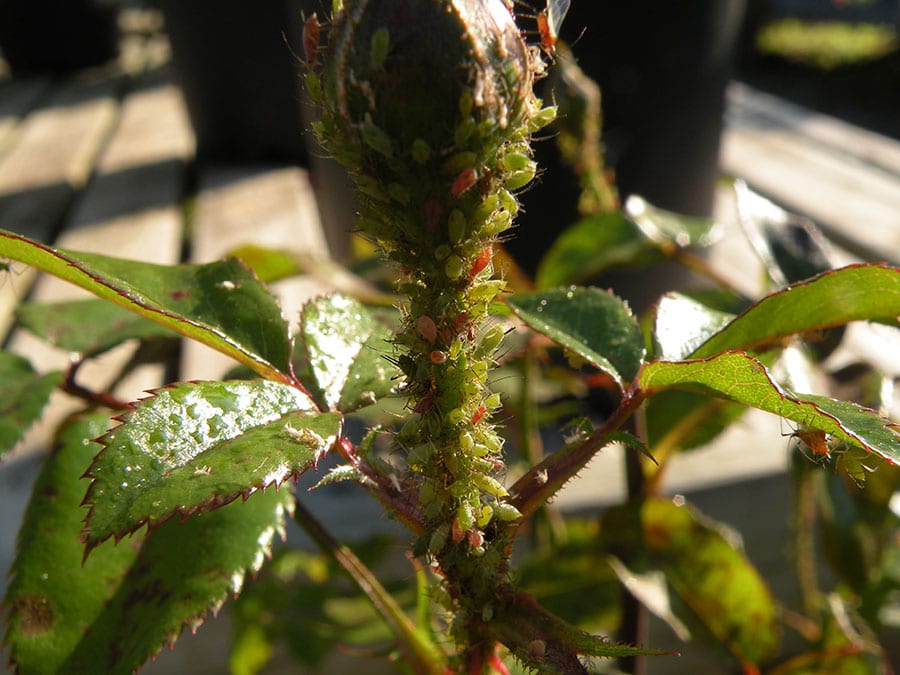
x: 53, y: 154
x: 131, y: 209
x: 844, y: 178
x: 48, y: 158
x: 16, y: 99
x: 267, y: 206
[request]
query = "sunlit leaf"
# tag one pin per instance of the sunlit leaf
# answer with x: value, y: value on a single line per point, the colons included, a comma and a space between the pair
x: 220, y: 304
x: 667, y: 228
x: 23, y: 395
x: 120, y: 606
x: 735, y: 376
x: 195, y: 446
x: 592, y: 323
x: 52, y: 598
x: 713, y: 579
x: 591, y: 246
x: 682, y: 324
x: 87, y: 327
x: 855, y: 293
x: 342, y: 348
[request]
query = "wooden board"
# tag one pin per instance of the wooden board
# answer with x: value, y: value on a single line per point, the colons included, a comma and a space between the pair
x: 267, y: 206
x: 131, y: 209
x: 844, y: 178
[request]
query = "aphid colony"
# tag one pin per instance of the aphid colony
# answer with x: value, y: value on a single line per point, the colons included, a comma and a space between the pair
x: 436, y: 166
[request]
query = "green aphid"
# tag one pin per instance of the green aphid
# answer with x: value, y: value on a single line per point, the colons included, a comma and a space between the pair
x: 456, y: 226
x: 464, y: 517
x: 459, y: 489
x: 541, y: 118
x: 490, y: 485
x: 491, y: 340
x: 486, y: 208
x: 420, y: 151
x: 466, y: 103
x: 398, y: 193
x: 420, y: 455
x: 506, y: 512
x: 381, y: 41
x: 464, y: 131
x: 519, y: 179
x: 314, y: 87
x: 485, y: 513
x: 438, y: 538
x: 515, y: 161
x: 370, y: 187
x: 500, y: 222
x: 458, y: 162
x: 375, y: 138
x: 486, y: 291
x: 508, y: 201
x: 453, y: 267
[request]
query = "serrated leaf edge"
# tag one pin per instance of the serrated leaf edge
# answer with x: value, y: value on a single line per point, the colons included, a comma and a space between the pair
x: 152, y: 524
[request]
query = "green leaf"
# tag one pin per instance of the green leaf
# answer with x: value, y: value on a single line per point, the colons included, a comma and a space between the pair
x: 267, y: 263
x: 52, y: 599
x: 735, y: 376
x: 185, y: 570
x: 23, y: 395
x: 87, y: 327
x: 195, y: 446
x: 220, y: 304
x: 682, y: 324
x: 341, y: 354
x: 682, y: 420
x: 591, y: 246
x: 667, y: 228
x: 274, y: 264
x: 117, y: 609
x: 592, y: 323
x: 854, y: 293
x: 713, y: 579
x: 547, y: 644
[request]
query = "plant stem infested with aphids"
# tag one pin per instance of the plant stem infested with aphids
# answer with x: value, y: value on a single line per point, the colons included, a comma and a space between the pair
x: 430, y: 105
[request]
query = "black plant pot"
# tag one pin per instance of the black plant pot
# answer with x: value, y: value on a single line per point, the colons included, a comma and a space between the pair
x: 240, y: 76
x: 662, y: 68
x: 53, y: 37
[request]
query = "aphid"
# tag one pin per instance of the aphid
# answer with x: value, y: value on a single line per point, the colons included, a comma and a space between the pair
x: 311, y: 31
x: 818, y: 443
x: 549, y: 21
x: 816, y: 440
x: 481, y: 261
x: 463, y: 182
x: 426, y: 328
x: 478, y: 414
